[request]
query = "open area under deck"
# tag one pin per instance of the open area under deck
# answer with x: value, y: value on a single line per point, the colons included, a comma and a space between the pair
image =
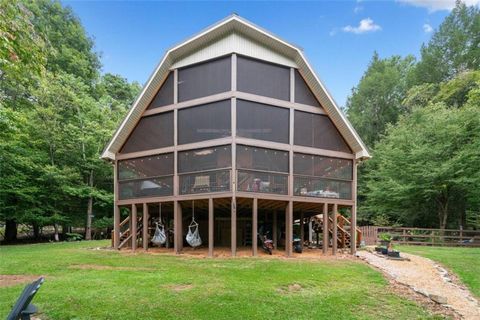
x: 235, y: 228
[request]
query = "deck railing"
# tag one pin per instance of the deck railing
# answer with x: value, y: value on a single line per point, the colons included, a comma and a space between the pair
x: 262, y: 182
x: 149, y: 187
x: 205, y: 182
x: 308, y: 186
x: 423, y: 236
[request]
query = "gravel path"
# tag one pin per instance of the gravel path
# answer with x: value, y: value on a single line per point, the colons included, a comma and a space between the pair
x: 428, y: 278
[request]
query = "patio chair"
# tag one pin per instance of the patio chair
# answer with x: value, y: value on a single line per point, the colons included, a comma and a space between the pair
x: 23, y: 309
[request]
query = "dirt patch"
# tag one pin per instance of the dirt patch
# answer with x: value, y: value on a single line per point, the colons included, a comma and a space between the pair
x: 427, y: 283
x: 13, y: 280
x: 243, y: 252
x: 179, y: 287
x: 291, y: 288
x: 100, y: 267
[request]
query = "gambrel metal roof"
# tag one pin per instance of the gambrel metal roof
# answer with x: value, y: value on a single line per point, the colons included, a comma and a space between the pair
x: 235, y: 35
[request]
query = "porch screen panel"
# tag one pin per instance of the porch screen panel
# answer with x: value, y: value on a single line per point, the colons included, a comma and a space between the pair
x: 263, y: 122
x: 263, y: 78
x: 151, y: 132
x: 204, y: 79
x: 262, y: 159
x: 303, y: 94
x: 323, y: 177
x: 321, y: 166
x: 150, y: 176
x: 205, y: 170
x: 205, y: 159
x: 318, y: 131
x: 164, y: 96
x: 206, y: 122
x: 262, y: 170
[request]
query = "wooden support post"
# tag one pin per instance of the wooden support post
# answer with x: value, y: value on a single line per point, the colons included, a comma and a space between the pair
x: 310, y: 236
x: 134, y: 227
x: 177, y: 228
x: 145, y: 235
x: 274, y: 231
x: 254, y: 227
x: 289, y: 229
x: 116, y: 209
x: 353, y: 221
x: 302, y: 231
x: 210, y: 227
x: 326, y: 231
x: 334, y: 229
x: 167, y: 228
x: 233, y: 240
x: 180, y: 227
x: 116, y: 226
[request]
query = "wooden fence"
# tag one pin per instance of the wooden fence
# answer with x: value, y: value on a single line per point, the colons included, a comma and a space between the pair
x: 422, y: 236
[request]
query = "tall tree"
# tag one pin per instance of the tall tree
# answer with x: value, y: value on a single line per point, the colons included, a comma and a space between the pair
x: 377, y: 100
x: 425, y: 169
x: 453, y: 48
x: 56, y: 114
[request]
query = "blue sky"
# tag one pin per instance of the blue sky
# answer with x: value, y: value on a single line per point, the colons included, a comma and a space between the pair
x: 338, y: 37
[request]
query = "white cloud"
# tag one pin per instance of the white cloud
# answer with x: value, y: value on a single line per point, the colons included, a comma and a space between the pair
x: 365, y: 25
x: 357, y: 9
x: 437, y: 5
x: 427, y: 28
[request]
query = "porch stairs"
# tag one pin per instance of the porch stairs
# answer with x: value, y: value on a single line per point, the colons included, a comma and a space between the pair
x: 126, y: 234
x: 344, y: 229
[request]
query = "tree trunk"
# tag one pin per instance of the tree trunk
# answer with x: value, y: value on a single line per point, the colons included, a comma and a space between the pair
x: 36, y: 231
x: 10, y: 230
x: 443, y: 215
x: 88, y: 229
x: 55, y: 227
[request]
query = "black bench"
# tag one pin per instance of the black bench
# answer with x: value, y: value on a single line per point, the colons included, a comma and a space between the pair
x: 23, y: 309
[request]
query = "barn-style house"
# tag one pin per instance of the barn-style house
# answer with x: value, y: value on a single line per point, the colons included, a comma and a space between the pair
x: 234, y: 136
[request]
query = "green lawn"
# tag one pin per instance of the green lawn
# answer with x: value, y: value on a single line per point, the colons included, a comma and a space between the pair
x: 146, y: 286
x: 465, y: 262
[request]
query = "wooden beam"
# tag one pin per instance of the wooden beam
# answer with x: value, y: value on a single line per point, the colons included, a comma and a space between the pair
x: 116, y: 209
x: 145, y: 235
x: 134, y: 227
x: 177, y: 222
x: 180, y: 227
x: 310, y: 236
x: 289, y: 229
x: 326, y: 233
x: 353, y: 224
x: 254, y: 227
x: 274, y: 231
x: 335, y: 229
x: 302, y: 231
x: 233, y: 232
x: 116, y: 226
x: 210, y: 227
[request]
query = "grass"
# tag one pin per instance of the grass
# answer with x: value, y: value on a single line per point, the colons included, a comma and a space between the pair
x: 465, y: 262
x: 144, y: 286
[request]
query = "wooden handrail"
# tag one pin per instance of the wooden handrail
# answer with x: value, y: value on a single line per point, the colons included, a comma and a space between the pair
x: 124, y: 221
